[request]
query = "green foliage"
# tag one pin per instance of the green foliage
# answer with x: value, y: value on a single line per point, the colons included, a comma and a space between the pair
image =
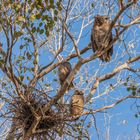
x: 132, y: 87
x: 92, y: 5
x: 34, y: 14
x: 21, y: 20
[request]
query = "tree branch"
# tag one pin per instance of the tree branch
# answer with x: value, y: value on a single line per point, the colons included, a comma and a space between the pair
x: 109, y: 75
x: 63, y: 88
x: 111, y: 106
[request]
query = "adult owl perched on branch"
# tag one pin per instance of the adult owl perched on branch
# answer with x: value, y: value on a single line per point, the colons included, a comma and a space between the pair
x: 100, y: 40
x: 77, y: 103
x: 63, y: 72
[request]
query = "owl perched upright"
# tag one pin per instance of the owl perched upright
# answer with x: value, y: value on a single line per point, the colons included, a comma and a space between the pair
x: 98, y: 35
x: 63, y: 72
x: 77, y: 103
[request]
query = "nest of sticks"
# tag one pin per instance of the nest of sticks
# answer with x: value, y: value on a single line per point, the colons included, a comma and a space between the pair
x: 51, y: 124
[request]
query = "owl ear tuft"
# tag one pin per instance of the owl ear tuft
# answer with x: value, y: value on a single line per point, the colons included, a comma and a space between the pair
x: 96, y: 16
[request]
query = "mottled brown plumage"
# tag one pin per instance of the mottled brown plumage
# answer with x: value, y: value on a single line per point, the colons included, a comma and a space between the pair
x: 135, y: 1
x: 77, y: 103
x: 63, y: 72
x: 99, y: 32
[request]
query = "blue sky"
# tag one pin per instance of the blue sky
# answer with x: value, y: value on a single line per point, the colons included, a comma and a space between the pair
x: 122, y: 124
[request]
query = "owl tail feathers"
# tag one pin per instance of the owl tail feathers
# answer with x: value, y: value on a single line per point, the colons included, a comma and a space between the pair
x: 105, y: 58
x: 71, y: 86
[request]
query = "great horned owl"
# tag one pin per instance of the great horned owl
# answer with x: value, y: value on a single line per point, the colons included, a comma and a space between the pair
x: 98, y: 35
x: 77, y: 103
x: 63, y: 72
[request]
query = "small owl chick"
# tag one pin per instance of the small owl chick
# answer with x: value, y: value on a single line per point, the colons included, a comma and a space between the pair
x: 99, y: 32
x: 63, y: 72
x: 77, y: 103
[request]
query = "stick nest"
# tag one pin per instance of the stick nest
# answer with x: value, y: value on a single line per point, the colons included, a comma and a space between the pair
x: 51, y: 124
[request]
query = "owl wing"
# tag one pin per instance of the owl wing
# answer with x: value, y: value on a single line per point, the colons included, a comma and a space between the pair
x: 93, y: 41
x: 97, y: 37
x: 110, y: 40
x: 109, y: 53
x: 63, y: 72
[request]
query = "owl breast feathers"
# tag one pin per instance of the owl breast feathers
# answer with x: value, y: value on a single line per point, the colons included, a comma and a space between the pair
x: 77, y: 103
x: 63, y: 72
x: 100, y: 40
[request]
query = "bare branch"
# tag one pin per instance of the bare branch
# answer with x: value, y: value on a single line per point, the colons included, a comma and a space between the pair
x: 73, y: 40
x: 63, y: 89
x: 112, y: 105
x: 110, y: 75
